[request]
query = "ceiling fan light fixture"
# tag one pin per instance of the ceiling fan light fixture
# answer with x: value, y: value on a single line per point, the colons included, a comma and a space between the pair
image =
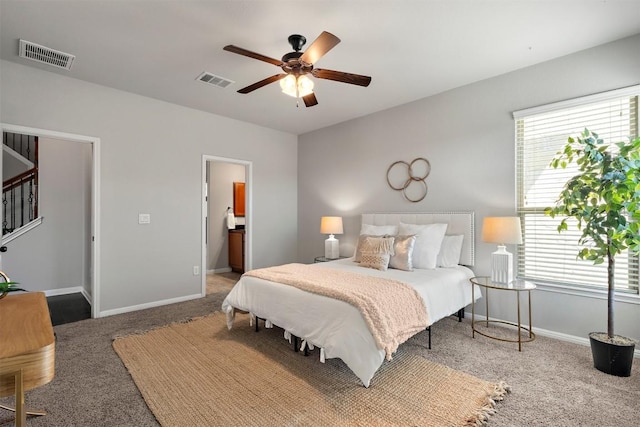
x: 296, y: 87
x: 305, y: 86
x: 288, y: 85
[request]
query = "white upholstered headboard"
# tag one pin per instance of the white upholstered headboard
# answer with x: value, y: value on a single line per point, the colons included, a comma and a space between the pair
x: 458, y: 223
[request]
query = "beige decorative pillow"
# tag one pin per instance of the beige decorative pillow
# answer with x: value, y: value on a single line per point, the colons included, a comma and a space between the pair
x: 403, y: 253
x: 377, y: 260
x: 372, y: 230
x: 383, y: 244
x: 368, y: 242
x: 358, y: 254
x: 376, y: 252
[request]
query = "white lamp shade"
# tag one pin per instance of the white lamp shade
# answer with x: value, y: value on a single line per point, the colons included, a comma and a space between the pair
x: 331, y: 225
x: 502, y: 230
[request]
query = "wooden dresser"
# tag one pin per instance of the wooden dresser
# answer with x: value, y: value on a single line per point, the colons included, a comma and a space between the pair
x: 27, y: 347
x: 236, y: 250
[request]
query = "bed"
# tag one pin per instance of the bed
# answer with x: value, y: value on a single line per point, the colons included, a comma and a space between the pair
x: 337, y: 327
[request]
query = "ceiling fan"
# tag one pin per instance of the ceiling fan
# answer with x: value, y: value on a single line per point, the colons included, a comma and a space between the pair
x: 297, y: 65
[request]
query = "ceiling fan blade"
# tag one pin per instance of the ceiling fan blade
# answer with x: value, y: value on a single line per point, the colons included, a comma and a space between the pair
x: 310, y: 100
x: 245, y: 52
x: 339, y: 76
x: 258, y: 85
x: 320, y: 46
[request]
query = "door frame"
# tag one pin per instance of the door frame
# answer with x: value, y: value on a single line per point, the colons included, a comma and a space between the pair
x: 95, y: 197
x: 248, y: 167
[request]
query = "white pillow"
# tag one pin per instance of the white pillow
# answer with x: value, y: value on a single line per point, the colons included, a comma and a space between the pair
x: 379, y: 230
x: 450, y: 251
x: 428, y: 241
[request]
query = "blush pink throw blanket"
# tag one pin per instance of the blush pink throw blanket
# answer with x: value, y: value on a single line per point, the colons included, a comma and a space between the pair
x: 392, y: 310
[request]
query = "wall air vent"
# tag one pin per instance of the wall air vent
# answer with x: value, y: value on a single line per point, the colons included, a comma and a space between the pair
x: 45, y: 55
x: 212, y: 79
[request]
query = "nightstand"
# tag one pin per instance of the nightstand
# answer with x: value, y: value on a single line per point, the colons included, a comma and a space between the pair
x: 516, y: 286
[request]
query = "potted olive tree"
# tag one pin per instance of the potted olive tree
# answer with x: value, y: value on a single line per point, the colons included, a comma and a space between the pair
x: 604, y: 198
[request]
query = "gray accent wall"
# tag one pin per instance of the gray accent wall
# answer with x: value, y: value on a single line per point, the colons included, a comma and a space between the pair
x: 151, y: 162
x: 467, y: 134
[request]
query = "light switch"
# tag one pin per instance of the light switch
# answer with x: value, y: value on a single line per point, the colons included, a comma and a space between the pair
x: 144, y: 218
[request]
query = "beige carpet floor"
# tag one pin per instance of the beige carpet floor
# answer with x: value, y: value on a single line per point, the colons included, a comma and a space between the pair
x: 199, y: 373
x: 221, y: 282
x: 553, y: 383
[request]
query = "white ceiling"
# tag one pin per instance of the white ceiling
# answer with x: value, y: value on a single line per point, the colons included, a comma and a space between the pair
x: 411, y: 49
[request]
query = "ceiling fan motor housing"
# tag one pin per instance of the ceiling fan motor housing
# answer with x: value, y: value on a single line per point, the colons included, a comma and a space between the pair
x: 291, y: 64
x: 297, y: 41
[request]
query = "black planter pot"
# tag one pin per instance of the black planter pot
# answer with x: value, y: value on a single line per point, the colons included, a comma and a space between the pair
x: 613, y: 359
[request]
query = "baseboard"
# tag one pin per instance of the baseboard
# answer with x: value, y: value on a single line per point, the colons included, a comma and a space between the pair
x: 67, y: 291
x: 219, y: 270
x: 552, y: 334
x: 86, y: 295
x: 147, y: 305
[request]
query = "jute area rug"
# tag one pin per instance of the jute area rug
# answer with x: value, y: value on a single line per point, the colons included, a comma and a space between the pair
x: 201, y: 374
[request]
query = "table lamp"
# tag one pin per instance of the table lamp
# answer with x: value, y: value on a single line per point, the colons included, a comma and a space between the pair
x: 331, y: 225
x: 503, y: 231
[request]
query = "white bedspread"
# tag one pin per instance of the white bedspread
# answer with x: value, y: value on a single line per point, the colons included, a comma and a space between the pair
x: 336, y: 326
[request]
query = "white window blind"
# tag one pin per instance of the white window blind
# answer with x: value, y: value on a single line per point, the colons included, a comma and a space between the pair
x: 546, y: 255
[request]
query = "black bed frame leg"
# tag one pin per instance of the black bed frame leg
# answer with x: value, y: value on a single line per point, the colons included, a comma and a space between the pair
x: 460, y: 314
x: 296, y: 345
x: 257, y: 319
x: 429, y: 329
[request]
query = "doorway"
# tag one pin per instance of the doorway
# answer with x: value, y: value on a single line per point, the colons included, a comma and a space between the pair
x: 219, y: 219
x: 92, y: 233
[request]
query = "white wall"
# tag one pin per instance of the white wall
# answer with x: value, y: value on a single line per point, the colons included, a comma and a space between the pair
x: 221, y: 178
x: 468, y: 136
x: 55, y: 254
x: 151, y: 162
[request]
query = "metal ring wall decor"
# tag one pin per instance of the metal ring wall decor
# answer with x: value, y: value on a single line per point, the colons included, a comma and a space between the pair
x: 403, y: 185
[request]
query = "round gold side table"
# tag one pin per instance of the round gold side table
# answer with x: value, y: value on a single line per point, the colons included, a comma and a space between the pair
x: 516, y: 286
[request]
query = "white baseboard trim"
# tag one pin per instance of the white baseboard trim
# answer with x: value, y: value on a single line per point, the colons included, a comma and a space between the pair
x: 219, y: 270
x: 147, y: 305
x: 67, y: 291
x: 550, y: 334
x: 62, y: 291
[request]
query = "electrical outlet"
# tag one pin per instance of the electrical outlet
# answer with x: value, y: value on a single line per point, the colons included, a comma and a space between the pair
x: 196, y: 270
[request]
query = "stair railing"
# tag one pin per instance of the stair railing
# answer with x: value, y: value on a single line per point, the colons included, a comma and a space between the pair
x: 19, y: 200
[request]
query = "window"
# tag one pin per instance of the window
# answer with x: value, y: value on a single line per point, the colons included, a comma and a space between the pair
x: 547, y: 256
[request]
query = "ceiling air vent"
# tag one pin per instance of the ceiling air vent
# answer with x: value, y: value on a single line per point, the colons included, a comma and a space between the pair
x: 212, y: 79
x: 45, y: 55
